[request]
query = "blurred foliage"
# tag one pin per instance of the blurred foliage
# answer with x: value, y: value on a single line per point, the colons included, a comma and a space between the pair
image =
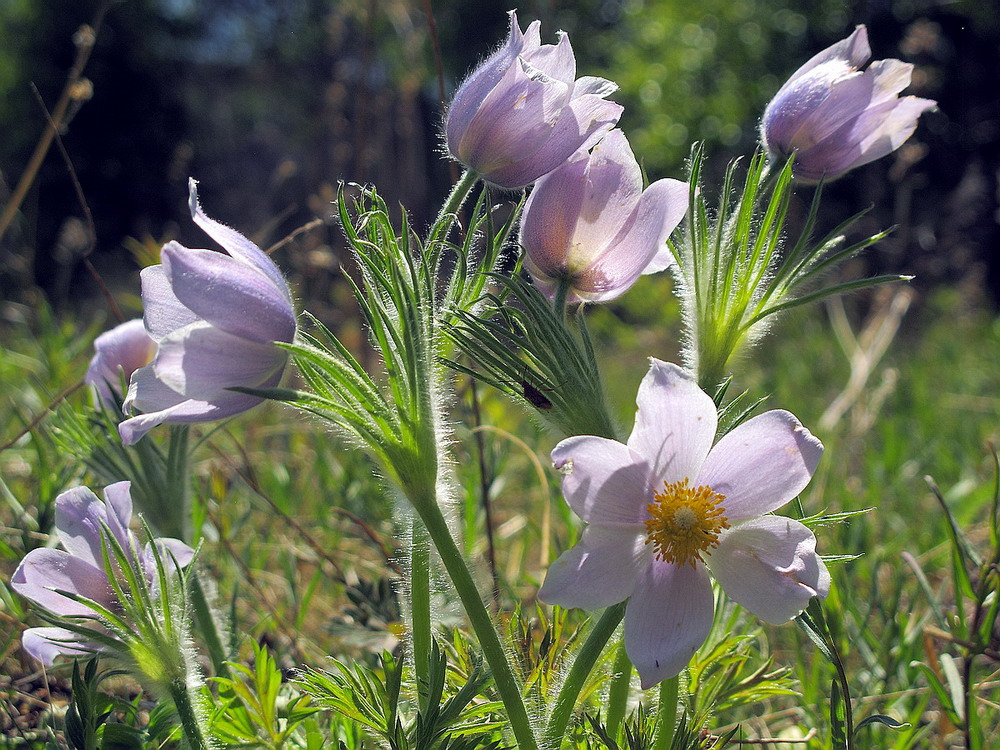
x: 271, y: 103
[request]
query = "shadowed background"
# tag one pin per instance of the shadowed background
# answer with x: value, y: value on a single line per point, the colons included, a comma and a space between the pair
x: 270, y: 104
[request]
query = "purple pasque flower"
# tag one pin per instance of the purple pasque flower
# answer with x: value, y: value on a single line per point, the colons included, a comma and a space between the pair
x: 214, y: 317
x: 78, y: 568
x: 835, y: 117
x: 591, y: 223
x: 668, y: 507
x: 123, y: 349
x: 523, y: 111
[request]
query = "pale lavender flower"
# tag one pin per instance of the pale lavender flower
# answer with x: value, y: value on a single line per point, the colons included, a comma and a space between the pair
x: 834, y: 117
x: 214, y: 317
x: 668, y: 507
x: 122, y: 350
x: 523, y: 111
x: 591, y: 223
x: 78, y: 568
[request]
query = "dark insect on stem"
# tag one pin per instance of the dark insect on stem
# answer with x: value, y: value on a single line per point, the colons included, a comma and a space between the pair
x: 534, y: 396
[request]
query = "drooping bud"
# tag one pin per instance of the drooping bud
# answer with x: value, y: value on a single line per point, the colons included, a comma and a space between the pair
x: 835, y: 117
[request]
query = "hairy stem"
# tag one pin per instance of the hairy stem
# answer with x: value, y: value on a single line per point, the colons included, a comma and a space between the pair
x: 479, y: 617
x: 666, y: 719
x: 420, y: 606
x: 188, y: 716
x: 583, y: 665
x: 618, y: 695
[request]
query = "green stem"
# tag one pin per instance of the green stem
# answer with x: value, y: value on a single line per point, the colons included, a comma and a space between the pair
x: 562, y: 294
x: 666, y: 719
x: 189, y: 719
x: 208, y: 626
x: 420, y: 606
x: 452, y: 205
x: 583, y: 665
x: 479, y: 617
x: 618, y: 694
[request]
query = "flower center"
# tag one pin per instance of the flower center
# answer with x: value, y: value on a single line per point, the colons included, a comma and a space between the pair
x: 684, y: 522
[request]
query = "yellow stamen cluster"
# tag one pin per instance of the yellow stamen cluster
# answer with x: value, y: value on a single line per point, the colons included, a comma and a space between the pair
x: 684, y: 522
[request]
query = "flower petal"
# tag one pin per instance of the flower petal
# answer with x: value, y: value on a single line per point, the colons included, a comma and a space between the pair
x: 555, y: 60
x: 613, y: 187
x: 853, y: 52
x: 517, y: 117
x: 235, y: 243
x: 171, y: 551
x: 231, y: 295
x: 770, y: 566
x: 675, y: 422
x: 183, y: 411
x: 45, y: 644
x: 79, y: 518
x: 605, y: 482
x: 200, y: 361
x: 668, y: 618
x: 599, y: 571
x: 642, y: 244
x: 162, y: 312
x: 550, y: 217
x: 579, y: 126
x: 482, y: 80
x: 118, y: 498
x: 762, y: 464
x: 125, y: 348
x: 45, y: 569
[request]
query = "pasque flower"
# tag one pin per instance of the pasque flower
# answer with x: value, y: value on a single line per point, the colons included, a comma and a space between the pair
x: 82, y: 520
x: 590, y: 224
x: 834, y: 117
x: 668, y: 507
x: 120, y: 351
x: 214, y: 317
x: 523, y: 111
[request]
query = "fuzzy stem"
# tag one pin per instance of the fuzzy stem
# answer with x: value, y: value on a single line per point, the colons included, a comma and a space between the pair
x: 189, y: 719
x: 666, y: 719
x: 506, y: 684
x: 453, y: 203
x: 583, y: 665
x: 618, y: 694
x: 562, y: 294
x: 207, y: 625
x: 420, y: 606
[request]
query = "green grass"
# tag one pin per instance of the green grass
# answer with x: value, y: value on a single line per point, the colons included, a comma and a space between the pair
x: 929, y: 408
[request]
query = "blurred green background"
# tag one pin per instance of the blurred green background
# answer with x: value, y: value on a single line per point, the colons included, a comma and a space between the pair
x: 270, y: 104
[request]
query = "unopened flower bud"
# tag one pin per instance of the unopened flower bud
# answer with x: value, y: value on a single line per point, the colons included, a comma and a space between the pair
x: 835, y: 117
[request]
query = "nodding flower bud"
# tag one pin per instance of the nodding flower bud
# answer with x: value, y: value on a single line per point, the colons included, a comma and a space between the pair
x: 591, y: 225
x: 120, y: 351
x: 214, y: 317
x: 835, y: 117
x: 523, y: 111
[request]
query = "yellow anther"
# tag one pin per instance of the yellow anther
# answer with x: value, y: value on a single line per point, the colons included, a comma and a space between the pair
x: 684, y: 522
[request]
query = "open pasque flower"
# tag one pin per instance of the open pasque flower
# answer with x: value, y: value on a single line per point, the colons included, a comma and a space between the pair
x: 590, y: 223
x: 78, y: 568
x: 214, y: 317
x: 834, y: 117
x: 668, y: 507
x: 122, y: 350
x: 523, y: 111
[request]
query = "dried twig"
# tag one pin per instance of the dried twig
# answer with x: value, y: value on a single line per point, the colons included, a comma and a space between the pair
x: 84, y: 38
